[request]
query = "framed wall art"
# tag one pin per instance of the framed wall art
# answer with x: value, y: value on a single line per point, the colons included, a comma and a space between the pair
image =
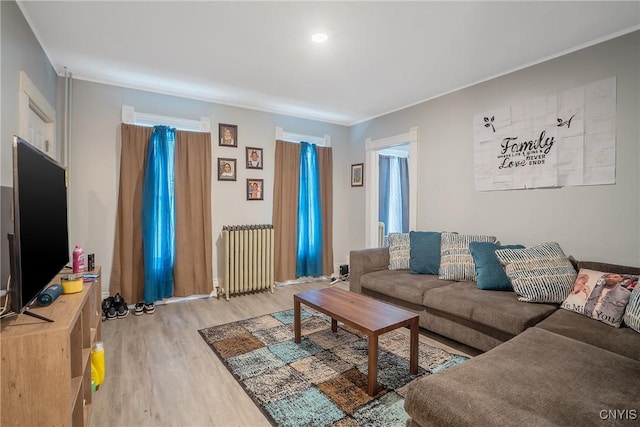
x: 227, y: 135
x: 255, y: 189
x: 357, y: 175
x: 226, y: 169
x: 254, y: 157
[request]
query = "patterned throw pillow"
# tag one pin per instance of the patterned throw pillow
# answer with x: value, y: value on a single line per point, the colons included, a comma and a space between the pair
x: 399, y: 245
x: 632, y: 314
x: 602, y: 296
x: 540, y: 273
x: 456, y: 262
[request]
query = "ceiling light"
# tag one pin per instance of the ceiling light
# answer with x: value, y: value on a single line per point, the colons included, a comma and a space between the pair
x: 319, y: 37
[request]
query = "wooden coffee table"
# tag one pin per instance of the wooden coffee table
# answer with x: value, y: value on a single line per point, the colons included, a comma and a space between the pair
x: 365, y: 314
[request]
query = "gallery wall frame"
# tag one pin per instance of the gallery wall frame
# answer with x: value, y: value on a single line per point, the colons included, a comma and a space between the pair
x: 227, y: 170
x: 357, y: 175
x: 254, y: 158
x: 227, y: 135
x: 255, y: 189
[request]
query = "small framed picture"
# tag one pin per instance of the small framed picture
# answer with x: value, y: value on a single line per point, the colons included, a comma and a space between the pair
x: 357, y: 175
x: 226, y: 169
x: 227, y: 135
x: 254, y: 189
x: 254, y: 158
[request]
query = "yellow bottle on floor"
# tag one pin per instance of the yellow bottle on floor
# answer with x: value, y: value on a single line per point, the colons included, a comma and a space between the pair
x: 97, y: 361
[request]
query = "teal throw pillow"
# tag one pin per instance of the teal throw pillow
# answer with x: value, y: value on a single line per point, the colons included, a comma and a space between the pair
x: 489, y: 271
x: 424, y: 252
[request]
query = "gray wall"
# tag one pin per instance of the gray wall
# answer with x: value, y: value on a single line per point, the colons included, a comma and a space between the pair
x: 95, y: 155
x: 591, y: 222
x: 20, y: 51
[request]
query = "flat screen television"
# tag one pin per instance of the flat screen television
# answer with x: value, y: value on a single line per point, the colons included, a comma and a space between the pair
x: 40, y: 247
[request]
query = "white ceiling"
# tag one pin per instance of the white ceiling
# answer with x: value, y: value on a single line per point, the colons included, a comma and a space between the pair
x: 380, y: 56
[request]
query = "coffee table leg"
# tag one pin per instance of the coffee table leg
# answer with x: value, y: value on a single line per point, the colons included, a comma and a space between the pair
x: 372, y: 378
x: 413, y: 350
x: 334, y: 325
x: 296, y: 320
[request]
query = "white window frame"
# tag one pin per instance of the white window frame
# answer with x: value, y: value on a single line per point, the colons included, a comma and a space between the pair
x: 320, y: 141
x: 30, y: 98
x: 131, y: 116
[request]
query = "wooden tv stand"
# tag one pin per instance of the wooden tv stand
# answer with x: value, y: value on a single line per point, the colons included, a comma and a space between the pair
x: 46, y: 367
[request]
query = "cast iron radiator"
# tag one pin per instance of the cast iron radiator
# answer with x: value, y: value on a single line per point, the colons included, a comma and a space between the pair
x: 248, y: 259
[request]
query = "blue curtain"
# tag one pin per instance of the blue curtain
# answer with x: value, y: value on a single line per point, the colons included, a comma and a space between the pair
x: 384, y: 165
x: 309, y: 245
x: 158, y: 215
x: 393, y: 194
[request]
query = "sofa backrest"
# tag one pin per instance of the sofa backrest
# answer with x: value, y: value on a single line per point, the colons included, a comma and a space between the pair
x: 608, y: 268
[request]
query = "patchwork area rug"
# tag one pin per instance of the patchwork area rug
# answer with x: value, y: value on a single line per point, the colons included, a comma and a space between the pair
x: 323, y: 380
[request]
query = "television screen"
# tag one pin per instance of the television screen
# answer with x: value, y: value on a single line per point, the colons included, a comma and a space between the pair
x: 41, y: 242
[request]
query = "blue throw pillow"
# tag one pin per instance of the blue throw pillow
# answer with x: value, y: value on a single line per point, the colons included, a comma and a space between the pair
x: 424, y: 252
x: 489, y: 271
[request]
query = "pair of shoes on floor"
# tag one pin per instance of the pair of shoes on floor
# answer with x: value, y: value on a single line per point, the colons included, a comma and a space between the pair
x: 108, y: 309
x: 142, y: 308
x: 114, y: 307
x: 122, y: 309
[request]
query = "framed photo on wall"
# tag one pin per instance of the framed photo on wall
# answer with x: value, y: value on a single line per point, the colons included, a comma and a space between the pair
x: 226, y: 169
x: 255, y: 189
x: 254, y: 157
x: 227, y: 135
x: 357, y: 175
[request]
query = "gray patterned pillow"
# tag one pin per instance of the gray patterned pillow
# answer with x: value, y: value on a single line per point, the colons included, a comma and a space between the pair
x: 399, y: 251
x: 540, y: 273
x: 456, y: 262
x: 632, y: 313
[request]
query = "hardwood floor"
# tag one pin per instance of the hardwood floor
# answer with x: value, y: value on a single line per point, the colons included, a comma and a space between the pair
x: 160, y: 372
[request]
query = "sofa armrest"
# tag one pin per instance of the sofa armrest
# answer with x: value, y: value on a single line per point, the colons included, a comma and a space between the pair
x: 364, y: 261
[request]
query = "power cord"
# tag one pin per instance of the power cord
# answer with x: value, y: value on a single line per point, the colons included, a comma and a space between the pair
x: 341, y: 278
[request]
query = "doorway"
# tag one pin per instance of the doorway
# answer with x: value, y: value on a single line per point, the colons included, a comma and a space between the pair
x: 393, y: 191
x: 407, y: 143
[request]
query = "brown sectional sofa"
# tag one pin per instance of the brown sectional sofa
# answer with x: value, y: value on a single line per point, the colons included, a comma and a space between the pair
x: 542, y: 365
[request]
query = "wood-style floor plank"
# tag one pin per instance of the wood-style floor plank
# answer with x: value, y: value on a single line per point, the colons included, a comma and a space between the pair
x: 160, y: 372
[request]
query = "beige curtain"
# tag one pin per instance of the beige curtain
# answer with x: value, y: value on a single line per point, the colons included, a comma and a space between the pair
x: 285, y: 208
x: 127, y: 270
x: 193, y: 271
x: 193, y: 263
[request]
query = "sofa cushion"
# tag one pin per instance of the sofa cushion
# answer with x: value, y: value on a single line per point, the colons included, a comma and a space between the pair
x: 624, y: 341
x: 600, y: 295
x: 399, y: 245
x: 401, y: 284
x: 490, y: 274
x: 424, y: 252
x: 632, y: 314
x: 456, y: 262
x: 540, y: 273
x: 536, y: 379
x: 496, y: 309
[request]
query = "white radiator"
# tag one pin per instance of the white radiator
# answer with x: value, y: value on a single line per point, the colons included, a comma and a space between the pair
x: 381, y: 235
x: 248, y: 259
